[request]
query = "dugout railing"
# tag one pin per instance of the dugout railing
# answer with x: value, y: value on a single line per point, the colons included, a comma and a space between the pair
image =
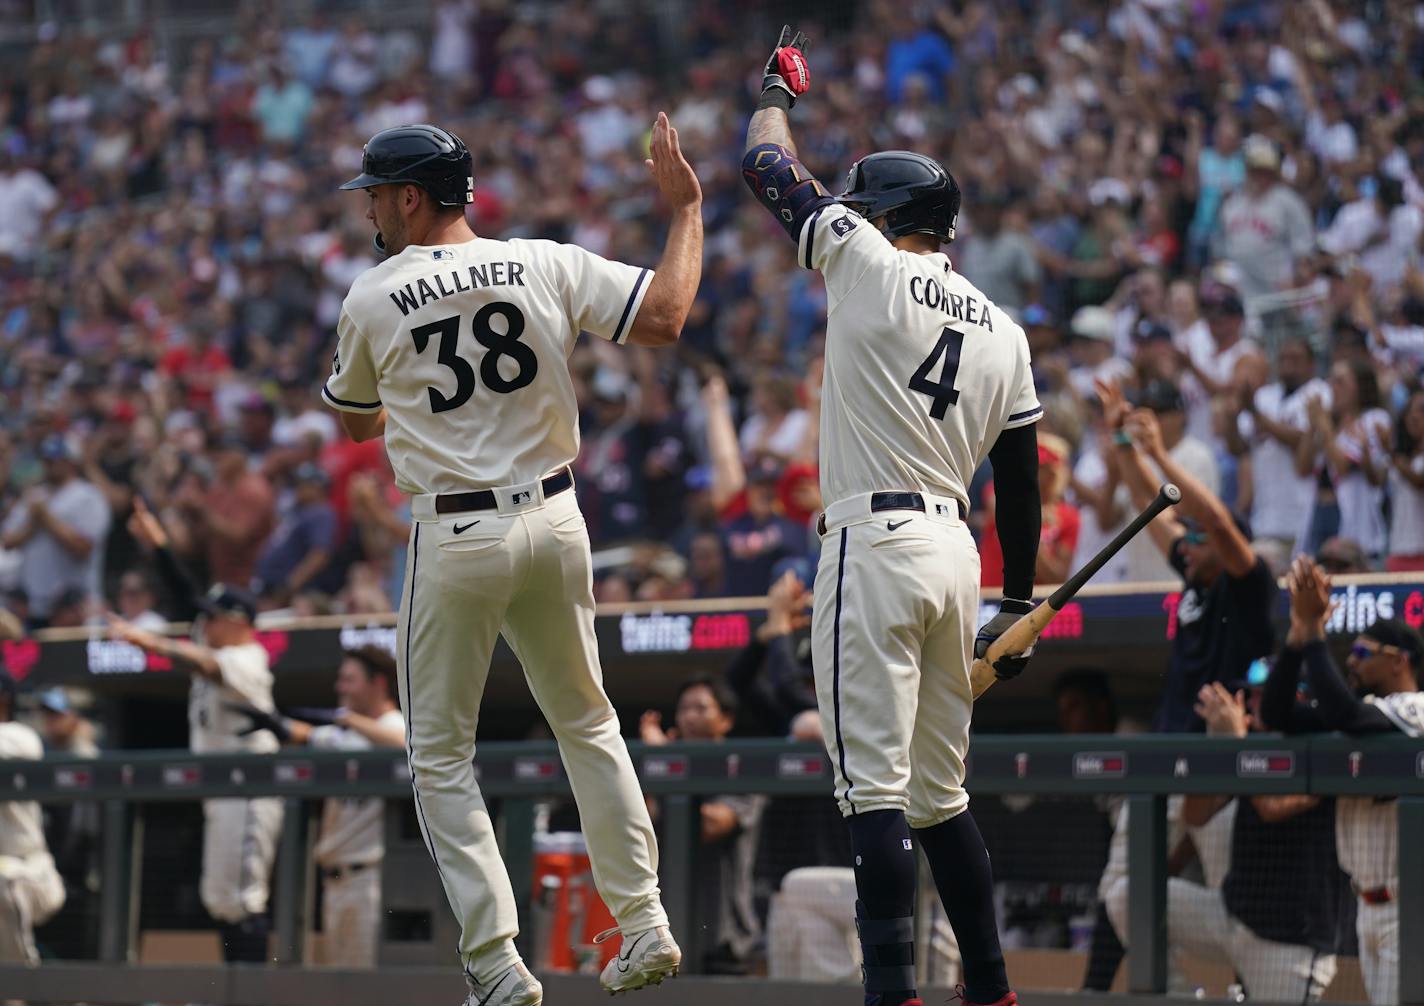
x: 1144, y: 769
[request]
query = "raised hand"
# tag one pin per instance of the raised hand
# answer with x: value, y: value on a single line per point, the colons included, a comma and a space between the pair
x: 145, y: 526
x: 671, y: 173
x: 1115, y: 407
x: 1310, y: 603
x: 1225, y: 714
x: 787, y: 69
x: 1145, y: 430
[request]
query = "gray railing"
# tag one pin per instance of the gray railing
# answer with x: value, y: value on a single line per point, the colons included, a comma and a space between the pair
x: 1145, y: 769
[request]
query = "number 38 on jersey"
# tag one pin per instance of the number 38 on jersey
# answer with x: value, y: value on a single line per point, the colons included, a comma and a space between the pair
x: 500, y: 344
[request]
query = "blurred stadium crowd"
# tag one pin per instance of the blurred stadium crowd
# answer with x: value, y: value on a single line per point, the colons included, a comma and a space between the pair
x: 1217, y: 202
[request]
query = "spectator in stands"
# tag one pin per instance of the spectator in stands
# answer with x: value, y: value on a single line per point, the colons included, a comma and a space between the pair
x: 760, y: 537
x: 30, y: 887
x: 234, y: 516
x: 1212, y: 361
x: 72, y: 832
x: 59, y: 528
x: 302, y: 551
x: 730, y: 826
x: 999, y: 257
x: 1406, y: 489
x: 1091, y: 350
x: 1223, y: 614
x: 771, y: 676
x: 135, y: 600
x: 707, y: 565
x: 27, y: 204
x: 352, y: 840
x: 1352, y: 435
x: 1382, y: 696
x: 1218, y: 169
x: 1271, y: 424
x: 1059, y: 538
x: 1265, y: 226
x: 1341, y: 555
x: 777, y: 427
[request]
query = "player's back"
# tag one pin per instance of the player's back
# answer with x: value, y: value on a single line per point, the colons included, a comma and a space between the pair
x: 922, y: 373
x: 466, y: 346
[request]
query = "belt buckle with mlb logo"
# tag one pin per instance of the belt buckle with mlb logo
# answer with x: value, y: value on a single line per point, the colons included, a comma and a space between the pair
x: 524, y: 497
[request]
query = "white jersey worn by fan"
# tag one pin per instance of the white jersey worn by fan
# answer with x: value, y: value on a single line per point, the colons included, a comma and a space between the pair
x: 1367, y: 840
x: 239, y: 836
x: 31, y: 890
x: 922, y: 374
x: 466, y: 348
x: 349, y: 854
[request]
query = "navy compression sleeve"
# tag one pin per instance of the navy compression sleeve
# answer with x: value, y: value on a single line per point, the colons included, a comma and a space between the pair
x: 1018, y: 507
x: 782, y: 184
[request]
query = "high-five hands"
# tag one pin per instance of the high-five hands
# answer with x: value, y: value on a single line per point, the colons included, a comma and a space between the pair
x: 671, y: 173
x: 787, y: 68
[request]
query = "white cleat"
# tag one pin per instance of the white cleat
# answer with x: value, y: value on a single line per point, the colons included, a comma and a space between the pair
x: 515, y: 987
x: 646, y: 958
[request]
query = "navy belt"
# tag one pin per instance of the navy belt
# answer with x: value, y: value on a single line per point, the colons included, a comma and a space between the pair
x: 895, y: 501
x: 905, y: 501
x: 483, y: 499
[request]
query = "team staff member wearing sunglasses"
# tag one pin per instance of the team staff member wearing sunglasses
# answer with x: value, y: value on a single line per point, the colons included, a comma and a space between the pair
x: 1222, y: 621
x: 1379, y: 695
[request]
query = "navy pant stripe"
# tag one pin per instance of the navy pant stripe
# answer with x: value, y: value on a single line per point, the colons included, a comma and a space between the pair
x: 836, y: 680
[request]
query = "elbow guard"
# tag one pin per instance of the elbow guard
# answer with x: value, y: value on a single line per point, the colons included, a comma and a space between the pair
x: 782, y: 184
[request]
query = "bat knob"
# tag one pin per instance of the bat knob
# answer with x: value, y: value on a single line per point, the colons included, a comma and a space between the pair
x: 1171, y: 493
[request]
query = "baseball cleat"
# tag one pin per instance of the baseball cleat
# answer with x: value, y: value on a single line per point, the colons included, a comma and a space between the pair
x: 646, y: 958
x: 515, y: 987
x: 1009, y: 1000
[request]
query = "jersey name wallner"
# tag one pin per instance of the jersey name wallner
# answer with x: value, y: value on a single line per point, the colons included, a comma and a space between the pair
x: 927, y: 290
x: 416, y: 295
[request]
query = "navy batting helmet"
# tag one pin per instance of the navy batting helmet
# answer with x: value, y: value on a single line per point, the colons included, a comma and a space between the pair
x: 435, y: 159
x: 913, y: 192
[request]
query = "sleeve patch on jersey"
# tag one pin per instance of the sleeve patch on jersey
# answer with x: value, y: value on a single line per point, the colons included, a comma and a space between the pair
x: 842, y: 226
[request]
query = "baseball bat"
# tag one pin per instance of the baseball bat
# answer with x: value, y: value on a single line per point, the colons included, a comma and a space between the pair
x: 1023, y: 633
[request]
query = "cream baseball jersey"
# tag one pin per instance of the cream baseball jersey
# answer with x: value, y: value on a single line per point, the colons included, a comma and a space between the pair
x: 466, y: 347
x: 922, y: 372
x: 21, y: 828
x: 353, y: 829
x: 246, y: 679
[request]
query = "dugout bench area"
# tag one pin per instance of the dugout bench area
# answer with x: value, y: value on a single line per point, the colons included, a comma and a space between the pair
x: 518, y: 775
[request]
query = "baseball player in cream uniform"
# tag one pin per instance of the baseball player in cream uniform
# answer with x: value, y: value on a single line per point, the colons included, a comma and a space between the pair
x: 352, y: 840
x: 228, y: 668
x: 31, y: 890
x: 1367, y: 840
x: 924, y: 379
x: 455, y: 348
x: 1380, y: 695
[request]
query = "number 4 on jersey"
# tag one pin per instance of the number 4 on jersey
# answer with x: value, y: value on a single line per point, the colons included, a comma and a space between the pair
x: 943, y: 392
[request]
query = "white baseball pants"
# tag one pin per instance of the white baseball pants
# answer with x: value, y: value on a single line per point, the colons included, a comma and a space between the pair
x: 523, y: 570
x: 1199, y: 925
x: 1378, y: 929
x: 31, y: 891
x: 810, y: 929
x: 351, y: 918
x: 897, y: 601
x: 239, y: 846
